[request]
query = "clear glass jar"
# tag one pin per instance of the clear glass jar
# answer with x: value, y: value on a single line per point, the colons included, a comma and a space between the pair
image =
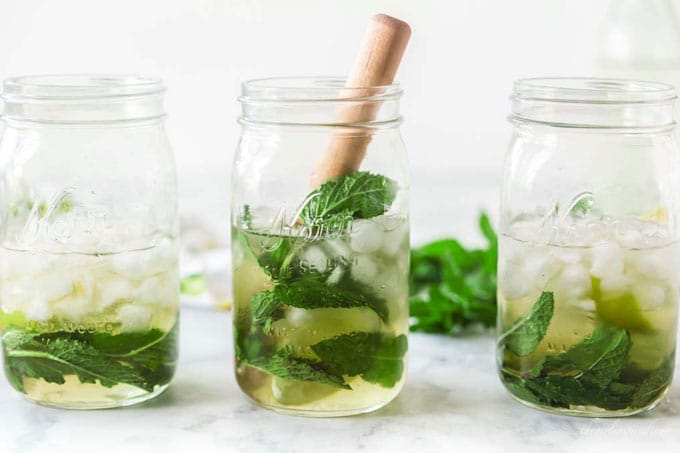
x: 589, y: 255
x: 89, y: 285
x: 320, y: 272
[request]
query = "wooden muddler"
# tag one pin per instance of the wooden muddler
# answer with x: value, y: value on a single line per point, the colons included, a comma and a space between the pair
x: 376, y: 65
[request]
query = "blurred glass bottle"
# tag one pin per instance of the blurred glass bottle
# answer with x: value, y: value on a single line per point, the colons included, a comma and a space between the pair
x: 640, y: 39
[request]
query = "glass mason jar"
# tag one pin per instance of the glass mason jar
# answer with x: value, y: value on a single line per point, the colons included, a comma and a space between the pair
x: 88, y: 240
x: 589, y: 255
x: 320, y: 266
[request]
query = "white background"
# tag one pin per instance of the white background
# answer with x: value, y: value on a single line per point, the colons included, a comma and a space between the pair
x: 457, y: 74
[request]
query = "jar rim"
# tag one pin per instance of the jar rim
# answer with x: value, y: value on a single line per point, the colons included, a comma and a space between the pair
x: 592, y: 90
x: 313, y: 89
x: 80, y: 86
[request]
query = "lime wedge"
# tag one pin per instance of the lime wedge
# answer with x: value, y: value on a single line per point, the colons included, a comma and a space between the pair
x: 620, y: 310
x: 11, y: 319
x: 299, y: 392
x: 659, y: 214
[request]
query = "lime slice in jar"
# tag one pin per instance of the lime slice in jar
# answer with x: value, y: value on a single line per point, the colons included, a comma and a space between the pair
x: 659, y: 214
x: 620, y: 310
x: 299, y: 392
x: 11, y: 319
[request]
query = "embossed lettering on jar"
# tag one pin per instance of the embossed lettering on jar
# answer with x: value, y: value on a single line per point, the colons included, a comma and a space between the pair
x: 88, y: 240
x: 320, y: 270
x: 588, y: 253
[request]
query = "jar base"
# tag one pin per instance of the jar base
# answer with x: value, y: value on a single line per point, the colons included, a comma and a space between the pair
x: 99, y: 405
x: 589, y: 411
x: 319, y: 413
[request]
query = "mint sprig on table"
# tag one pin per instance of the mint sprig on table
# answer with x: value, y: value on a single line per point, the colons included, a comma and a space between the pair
x: 594, y: 372
x: 452, y: 287
x: 142, y: 360
x: 377, y: 357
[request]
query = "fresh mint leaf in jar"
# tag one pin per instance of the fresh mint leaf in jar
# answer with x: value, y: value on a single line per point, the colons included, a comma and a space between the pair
x: 588, y: 250
x: 89, y: 287
x: 320, y: 269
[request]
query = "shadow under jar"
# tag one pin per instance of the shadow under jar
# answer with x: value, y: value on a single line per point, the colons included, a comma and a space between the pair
x: 588, y: 254
x: 320, y: 269
x: 88, y: 251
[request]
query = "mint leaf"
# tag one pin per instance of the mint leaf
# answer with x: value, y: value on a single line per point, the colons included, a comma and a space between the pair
x: 590, y: 373
x: 487, y: 229
x: 250, y: 341
x: 358, y: 195
x: 154, y: 357
x: 264, y: 305
x: 388, y: 364
x: 452, y: 287
x: 275, y: 262
x: 524, y: 335
x: 598, y: 359
x: 284, y: 365
x: 350, y: 354
x: 563, y: 391
x: 37, y: 368
x: 141, y: 360
x: 655, y: 384
x: 616, y: 396
x: 517, y: 387
x: 62, y: 357
x: 15, y: 338
x: 17, y: 369
x: 377, y: 357
x: 310, y: 291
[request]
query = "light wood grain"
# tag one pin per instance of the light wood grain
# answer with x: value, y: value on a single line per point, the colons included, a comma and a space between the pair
x: 376, y: 65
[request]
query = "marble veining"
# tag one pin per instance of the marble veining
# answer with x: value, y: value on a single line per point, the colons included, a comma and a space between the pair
x: 453, y: 401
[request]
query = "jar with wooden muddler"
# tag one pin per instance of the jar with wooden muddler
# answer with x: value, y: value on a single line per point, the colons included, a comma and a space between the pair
x: 320, y: 237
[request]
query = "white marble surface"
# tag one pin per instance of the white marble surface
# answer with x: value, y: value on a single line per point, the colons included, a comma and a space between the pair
x: 453, y: 401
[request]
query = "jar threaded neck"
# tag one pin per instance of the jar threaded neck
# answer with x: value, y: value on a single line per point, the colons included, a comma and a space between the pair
x: 593, y: 103
x: 82, y: 98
